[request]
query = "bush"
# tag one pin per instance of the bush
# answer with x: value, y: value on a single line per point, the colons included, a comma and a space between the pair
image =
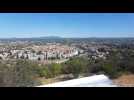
x: 110, y: 70
x: 75, y: 66
x: 95, y: 68
x: 55, y: 69
x: 45, y: 72
x: 50, y: 71
x: 21, y: 74
x: 26, y: 73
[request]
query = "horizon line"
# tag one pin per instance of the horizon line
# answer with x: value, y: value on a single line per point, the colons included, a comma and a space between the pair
x: 60, y: 37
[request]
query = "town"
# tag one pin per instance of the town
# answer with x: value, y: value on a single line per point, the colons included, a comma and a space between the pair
x: 63, y: 59
x: 45, y: 52
x: 40, y: 49
x: 51, y: 51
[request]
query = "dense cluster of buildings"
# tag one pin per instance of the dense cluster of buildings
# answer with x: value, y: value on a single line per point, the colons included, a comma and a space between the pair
x: 44, y: 52
x: 52, y: 51
x: 94, y: 50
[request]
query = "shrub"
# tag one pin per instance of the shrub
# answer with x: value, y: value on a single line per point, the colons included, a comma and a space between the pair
x: 75, y: 66
x: 55, y: 69
x: 95, y: 68
x: 26, y: 73
x: 45, y: 72
x: 21, y: 74
x: 50, y: 70
x: 110, y: 70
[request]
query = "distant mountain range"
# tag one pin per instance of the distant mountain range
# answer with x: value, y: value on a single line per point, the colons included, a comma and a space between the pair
x: 35, y: 39
x: 47, y: 37
x: 57, y: 38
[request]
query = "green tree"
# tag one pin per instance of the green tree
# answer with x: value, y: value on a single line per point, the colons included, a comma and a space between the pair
x: 75, y: 66
x: 25, y: 73
x: 55, y: 69
x: 110, y: 69
x: 21, y: 74
x: 45, y: 72
x: 51, y: 70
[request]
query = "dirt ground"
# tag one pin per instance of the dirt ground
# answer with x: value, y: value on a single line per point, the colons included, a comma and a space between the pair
x: 125, y: 80
x: 122, y: 81
x: 58, y: 78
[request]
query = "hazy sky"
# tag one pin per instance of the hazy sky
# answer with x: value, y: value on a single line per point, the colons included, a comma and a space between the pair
x: 66, y: 24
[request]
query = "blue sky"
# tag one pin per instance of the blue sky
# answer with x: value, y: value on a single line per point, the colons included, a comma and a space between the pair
x: 66, y: 24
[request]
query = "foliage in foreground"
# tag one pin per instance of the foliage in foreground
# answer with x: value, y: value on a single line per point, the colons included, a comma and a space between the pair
x: 20, y: 74
x: 23, y: 73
